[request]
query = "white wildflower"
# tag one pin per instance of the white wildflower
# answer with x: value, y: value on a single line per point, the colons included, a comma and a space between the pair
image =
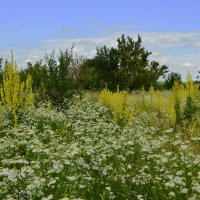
x: 184, y: 190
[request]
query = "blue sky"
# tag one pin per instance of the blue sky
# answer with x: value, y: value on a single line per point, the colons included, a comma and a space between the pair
x: 169, y: 28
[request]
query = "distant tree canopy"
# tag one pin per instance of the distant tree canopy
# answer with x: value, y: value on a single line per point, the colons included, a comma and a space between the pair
x: 127, y: 66
x: 171, y: 78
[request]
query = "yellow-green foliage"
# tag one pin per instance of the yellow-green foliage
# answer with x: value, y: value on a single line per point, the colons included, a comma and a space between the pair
x: 0, y: 107
x: 119, y: 103
x: 171, y: 102
x: 163, y: 102
x: 191, y: 87
x: 15, y: 94
x: 28, y: 93
x: 48, y: 106
x: 178, y: 91
x: 181, y: 91
x: 166, y: 101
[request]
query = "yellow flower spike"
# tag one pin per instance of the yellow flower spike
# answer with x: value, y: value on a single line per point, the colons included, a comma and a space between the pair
x: 119, y: 103
x: 49, y: 106
x: 151, y: 92
x: 29, y: 97
x: 192, y: 89
x: 15, y: 95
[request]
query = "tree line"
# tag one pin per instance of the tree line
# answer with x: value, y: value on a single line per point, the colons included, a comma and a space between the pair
x: 127, y: 67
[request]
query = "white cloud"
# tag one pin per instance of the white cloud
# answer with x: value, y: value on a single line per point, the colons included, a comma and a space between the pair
x: 171, y: 39
x: 178, y: 50
x: 187, y: 64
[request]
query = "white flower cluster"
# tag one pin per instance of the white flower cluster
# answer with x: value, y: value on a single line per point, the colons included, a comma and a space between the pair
x: 81, y: 153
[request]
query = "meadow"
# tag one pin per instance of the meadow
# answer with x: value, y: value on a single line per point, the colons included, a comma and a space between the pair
x: 143, y: 145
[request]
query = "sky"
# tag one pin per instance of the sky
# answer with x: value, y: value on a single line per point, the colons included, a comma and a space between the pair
x: 170, y: 29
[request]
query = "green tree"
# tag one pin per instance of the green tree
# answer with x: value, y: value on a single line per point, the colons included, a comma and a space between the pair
x: 101, y: 70
x: 135, y: 69
x: 63, y: 71
x: 127, y: 66
x: 39, y: 75
x: 57, y: 83
x: 74, y: 71
x: 171, y: 78
x: 88, y: 76
x: 154, y: 72
x: 56, y: 77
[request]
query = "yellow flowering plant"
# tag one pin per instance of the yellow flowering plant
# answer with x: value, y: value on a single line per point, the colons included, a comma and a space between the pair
x: 15, y: 95
x: 120, y: 104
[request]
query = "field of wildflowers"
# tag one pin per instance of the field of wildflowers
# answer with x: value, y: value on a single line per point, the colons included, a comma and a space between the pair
x: 106, y: 146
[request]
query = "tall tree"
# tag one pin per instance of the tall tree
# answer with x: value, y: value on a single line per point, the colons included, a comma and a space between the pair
x: 135, y: 69
x: 133, y: 60
x: 58, y: 82
x: 101, y: 70
x: 127, y: 65
x: 106, y: 64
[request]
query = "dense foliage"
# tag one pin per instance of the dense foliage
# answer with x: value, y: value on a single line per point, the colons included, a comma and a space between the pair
x: 171, y: 78
x: 127, y: 66
x: 54, y: 79
x: 58, y: 76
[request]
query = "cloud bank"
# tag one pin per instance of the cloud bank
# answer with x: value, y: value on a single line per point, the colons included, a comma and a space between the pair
x: 179, y: 50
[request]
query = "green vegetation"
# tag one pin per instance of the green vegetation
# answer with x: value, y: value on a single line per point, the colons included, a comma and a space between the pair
x: 57, y: 77
x: 126, y: 141
x: 127, y: 66
x: 171, y: 78
x: 86, y: 152
x: 15, y: 95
